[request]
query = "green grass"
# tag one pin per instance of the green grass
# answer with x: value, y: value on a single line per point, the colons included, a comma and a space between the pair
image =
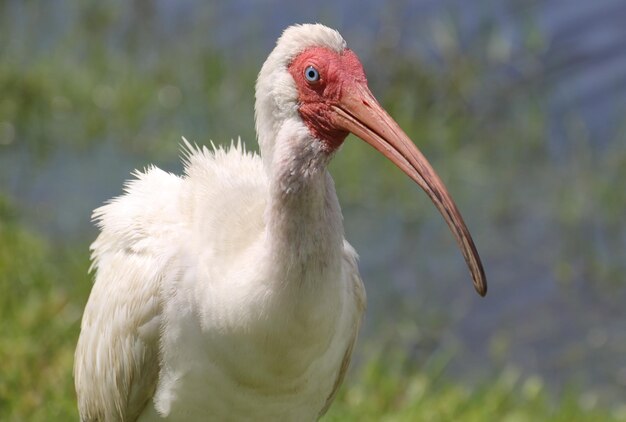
x: 382, y: 392
x: 44, y: 289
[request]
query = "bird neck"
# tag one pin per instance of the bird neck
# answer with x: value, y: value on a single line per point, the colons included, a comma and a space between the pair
x: 303, y: 217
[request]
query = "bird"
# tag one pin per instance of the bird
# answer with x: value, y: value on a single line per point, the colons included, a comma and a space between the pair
x: 230, y: 293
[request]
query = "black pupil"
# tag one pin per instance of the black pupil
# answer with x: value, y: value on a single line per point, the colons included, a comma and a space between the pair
x: 312, y: 74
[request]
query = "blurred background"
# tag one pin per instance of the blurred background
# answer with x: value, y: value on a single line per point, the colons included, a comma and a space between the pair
x: 519, y: 105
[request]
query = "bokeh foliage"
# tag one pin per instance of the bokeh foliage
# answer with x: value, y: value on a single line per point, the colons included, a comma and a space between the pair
x: 42, y: 291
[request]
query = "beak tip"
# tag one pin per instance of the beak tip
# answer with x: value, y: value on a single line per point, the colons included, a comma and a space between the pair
x: 481, y: 287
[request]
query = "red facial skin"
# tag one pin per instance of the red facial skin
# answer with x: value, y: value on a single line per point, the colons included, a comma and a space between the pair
x: 338, y: 72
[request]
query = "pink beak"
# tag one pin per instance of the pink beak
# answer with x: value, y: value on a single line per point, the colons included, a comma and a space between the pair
x: 359, y: 112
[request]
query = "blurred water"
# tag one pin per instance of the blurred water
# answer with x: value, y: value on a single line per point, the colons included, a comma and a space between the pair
x: 530, y: 319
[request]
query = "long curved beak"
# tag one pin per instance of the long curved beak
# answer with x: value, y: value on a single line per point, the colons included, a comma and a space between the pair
x: 359, y: 112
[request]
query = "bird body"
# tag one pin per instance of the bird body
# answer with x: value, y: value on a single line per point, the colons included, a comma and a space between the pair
x: 230, y: 293
x: 265, y: 332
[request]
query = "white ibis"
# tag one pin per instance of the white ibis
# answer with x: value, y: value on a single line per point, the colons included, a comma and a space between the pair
x: 230, y: 293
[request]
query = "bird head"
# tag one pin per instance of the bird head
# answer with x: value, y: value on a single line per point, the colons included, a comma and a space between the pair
x: 313, y: 84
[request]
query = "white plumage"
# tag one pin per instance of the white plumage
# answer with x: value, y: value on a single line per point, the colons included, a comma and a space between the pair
x: 183, y: 267
x: 229, y: 293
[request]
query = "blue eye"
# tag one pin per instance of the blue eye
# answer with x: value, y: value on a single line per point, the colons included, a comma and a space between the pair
x: 311, y: 74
